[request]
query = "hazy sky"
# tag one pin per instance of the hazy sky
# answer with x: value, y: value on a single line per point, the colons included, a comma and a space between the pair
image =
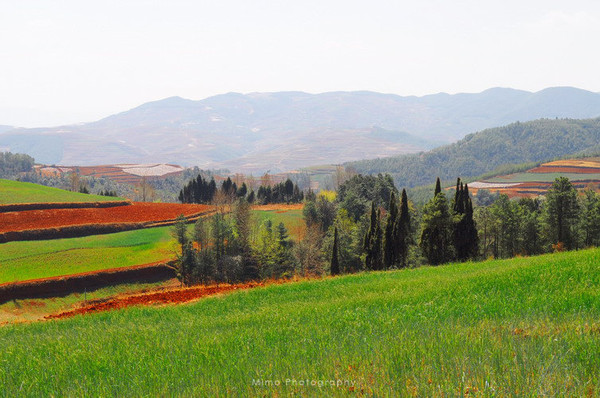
x: 75, y: 61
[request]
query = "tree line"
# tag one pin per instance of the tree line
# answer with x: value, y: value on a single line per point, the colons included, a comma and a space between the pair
x: 370, y: 225
x: 233, y: 247
x: 201, y: 190
x: 12, y: 164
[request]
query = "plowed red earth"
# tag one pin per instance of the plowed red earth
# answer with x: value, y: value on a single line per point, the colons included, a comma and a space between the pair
x: 164, y: 297
x: 136, y: 213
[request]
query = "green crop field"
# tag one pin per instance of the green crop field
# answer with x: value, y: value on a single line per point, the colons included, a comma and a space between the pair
x: 544, y: 177
x: 25, y: 192
x: 292, y: 219
x: 519, y: 327
x: 45, y: 258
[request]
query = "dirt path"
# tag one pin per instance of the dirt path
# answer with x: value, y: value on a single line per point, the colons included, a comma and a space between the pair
x: 154, y: 298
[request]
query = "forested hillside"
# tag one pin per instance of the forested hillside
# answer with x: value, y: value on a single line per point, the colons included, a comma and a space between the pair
x: 482, y: 152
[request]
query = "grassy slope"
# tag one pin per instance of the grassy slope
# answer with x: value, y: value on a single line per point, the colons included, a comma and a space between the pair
x: 519, y: 327
x: 25, y: 192
x: 292, y: 219
x: 41, y: 259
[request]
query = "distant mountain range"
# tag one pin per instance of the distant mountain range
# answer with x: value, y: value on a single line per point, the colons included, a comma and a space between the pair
x: 286, y: 130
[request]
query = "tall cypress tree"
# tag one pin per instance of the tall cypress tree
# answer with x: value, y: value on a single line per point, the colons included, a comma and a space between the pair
x: 335, y: 263
x: 389, y: 250
x: 464, y: 230
x: 373, y: 241
x: 456, y: 195
x: 378, y: 244
x: 402, y: 232
x: 438, y: 186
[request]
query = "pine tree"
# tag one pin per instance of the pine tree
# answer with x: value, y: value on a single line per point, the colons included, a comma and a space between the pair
x: 335, y: 264
x: 561, y: 213
x: 436, y: 235
x: 179, y: 231
x: 251, y: 197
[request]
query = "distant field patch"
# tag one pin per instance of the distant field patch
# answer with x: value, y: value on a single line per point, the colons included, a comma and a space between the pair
x: 589, y: 162
x: 124, y: 173
x: 292, y: 219
x: 545, y: 177
x: 25, y: 192
x: 21, y: 261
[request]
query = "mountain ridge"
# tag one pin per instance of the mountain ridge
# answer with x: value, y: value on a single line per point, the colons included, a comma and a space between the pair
x: 285, y: 130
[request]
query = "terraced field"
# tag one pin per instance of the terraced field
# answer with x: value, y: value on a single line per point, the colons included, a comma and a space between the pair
x: 583, y: 173
x: 123, y: 173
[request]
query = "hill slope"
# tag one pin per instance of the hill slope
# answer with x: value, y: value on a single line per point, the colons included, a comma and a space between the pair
x: 482, y: 152
x: 286, y: 130
x: 524, y: 327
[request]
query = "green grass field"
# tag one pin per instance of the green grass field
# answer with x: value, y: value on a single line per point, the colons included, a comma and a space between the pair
x: 292, y: 219
x: 25, y: 192
x: 519, y: 327
x: 544, y: 177
x: 45, y: 258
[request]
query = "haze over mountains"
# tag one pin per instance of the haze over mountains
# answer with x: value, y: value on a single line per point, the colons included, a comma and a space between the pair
x: 286, y: 130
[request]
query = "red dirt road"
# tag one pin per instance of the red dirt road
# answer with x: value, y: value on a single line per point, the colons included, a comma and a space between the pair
x: 136, y: 213
x: 163, y: 297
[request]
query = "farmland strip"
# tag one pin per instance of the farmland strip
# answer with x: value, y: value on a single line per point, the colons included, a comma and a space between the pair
x: 78, y: 283
x: 61, y: 205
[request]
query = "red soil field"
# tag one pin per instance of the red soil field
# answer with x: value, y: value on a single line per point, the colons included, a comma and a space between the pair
x: 137, y: 212
x: 164, y: 297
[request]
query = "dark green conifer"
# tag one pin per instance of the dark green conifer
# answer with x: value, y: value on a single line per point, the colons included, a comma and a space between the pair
x: 389, y: 251
x: 402, y: 232
x: 335, y: 264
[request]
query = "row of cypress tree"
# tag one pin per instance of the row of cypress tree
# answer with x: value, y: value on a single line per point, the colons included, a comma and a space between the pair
x: 448, y: 232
